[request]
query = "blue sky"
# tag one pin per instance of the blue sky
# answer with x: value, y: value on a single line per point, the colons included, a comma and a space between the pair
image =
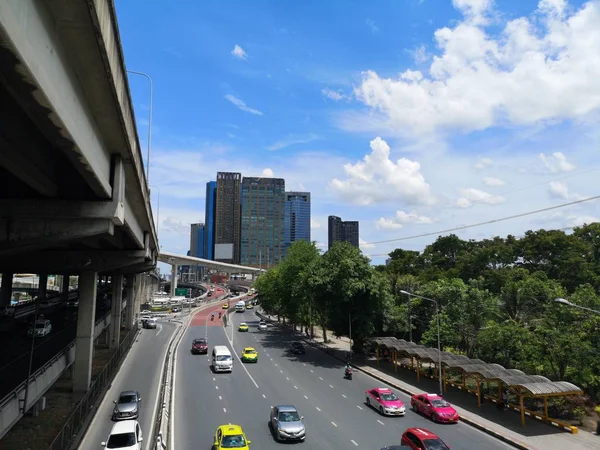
x: 410, y: 116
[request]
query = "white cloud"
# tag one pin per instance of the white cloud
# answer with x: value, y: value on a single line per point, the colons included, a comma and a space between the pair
x: 483, y: 163
x: 174, y: 225
x: 420, y: 54
x: 400, y: 219
x: 558, y: 189
x: 314, y: 224
x: 492, y: 181
x: 372, y: 26
x: 239, y: 53
x: 378, y: 179
x: 538, y: 70
x: 267, y: 173
x: 364, y: 244
x: 471, y: 196
x: 241, y: 105
x: 557, y: 162
x: 293, y: 140
x: 333, y: 95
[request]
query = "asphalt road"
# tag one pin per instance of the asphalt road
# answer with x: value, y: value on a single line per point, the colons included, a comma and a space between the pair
x: 141, y: 372
x: 335, y: 412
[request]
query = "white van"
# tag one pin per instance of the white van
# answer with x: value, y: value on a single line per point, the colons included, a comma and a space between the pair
x: 240, y: 306
x: 221, y: 359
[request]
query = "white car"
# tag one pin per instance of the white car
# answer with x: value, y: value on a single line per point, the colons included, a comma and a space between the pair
x: 126, y: 435
x: 262, y: 325
x: 41, y: 328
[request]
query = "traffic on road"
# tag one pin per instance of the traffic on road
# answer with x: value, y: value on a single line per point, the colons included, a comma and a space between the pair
x: 281, y: 394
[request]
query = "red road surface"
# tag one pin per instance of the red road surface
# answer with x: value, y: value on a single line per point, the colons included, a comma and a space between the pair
x: 199, y: 319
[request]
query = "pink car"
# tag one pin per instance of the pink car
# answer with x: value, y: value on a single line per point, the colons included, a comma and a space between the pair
x: 434, y: 407
x: 385, y: 401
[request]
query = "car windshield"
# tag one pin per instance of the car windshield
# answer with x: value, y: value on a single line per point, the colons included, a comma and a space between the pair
x: 296, y: 344
x: 389, y: 397
x: 435, y: 444
x: 224, y: 358
x: 286, y: 416
x: 126, y: 399
x: 234, y: 441
x: 440, y: 403
x: 121, y: 440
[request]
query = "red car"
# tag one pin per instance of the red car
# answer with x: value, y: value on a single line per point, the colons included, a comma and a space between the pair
x: 385, y: 401
x: 200, y: 347
x: 435, y: 407
x: 422, y: 439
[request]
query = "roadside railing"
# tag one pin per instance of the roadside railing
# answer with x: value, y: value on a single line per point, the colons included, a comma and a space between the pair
x: 86, y: 407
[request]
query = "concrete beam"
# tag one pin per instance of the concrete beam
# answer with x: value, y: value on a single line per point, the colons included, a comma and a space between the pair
x: 22, y: 234
x: 172, y: 258
x: 82, y: 367
x: 31, y: 34
x: 73, y: 261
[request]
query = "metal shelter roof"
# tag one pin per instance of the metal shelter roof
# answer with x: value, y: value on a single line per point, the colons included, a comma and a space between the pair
x: 535, y: 385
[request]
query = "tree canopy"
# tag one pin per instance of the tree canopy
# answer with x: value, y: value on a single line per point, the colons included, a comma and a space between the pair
x: 496, y: 298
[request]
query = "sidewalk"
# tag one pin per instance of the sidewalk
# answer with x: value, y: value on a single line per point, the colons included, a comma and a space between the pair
x: 506, y: 425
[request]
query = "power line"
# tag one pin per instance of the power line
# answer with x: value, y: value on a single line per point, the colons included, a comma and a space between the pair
x: 488, y: 222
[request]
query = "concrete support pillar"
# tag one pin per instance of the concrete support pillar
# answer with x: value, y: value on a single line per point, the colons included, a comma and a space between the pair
x: 6, y: 291
x: 43, y: 286
x: 115, y: 312
x: 84, y: 352
x: 174, y: 268
x: 131, y: 295
x: 64, y: 287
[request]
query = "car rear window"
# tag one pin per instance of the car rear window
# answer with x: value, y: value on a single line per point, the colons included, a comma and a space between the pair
x: 121, y: 440
x: 434, y: 444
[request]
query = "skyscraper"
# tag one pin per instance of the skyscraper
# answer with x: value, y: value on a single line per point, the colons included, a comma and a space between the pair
x: 209, y: 220
x: 338, y: 230
x: 227, y: 217
x: 197, y: 235
x: 262, y: 221
x: 296, y: 218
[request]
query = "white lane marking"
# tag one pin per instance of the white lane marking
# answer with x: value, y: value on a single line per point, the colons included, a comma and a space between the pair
x: 354, y: 442
x: 275, y: 364
x: 380, y: 422
x: 321, y: 378
x: 304, y: 365
x: 220, y: 398
x: 271, y: 359
x: 208, y: 359
x: 331, y: 386
x: 344, y: 396
x: 269, y: 355
x: 287, y: 378
x: 159, y: 329
x: 334, y: 424
x: 224, y: 410
x: 306, y: 397
x: 359, y: 407
x: 295, y: 387
x: 217, y: 387
x: 318, y: 409
x: 264, y: 396
x: 238, y: 358
x: 281, y: 370
x: 312, y: 371
x: 214, y: 379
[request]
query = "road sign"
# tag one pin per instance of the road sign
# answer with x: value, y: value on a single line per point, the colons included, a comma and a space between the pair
x: 181, y: 292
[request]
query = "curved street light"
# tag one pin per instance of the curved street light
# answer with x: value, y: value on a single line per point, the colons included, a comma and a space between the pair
x: 564, y: 301
x: 437, y: 313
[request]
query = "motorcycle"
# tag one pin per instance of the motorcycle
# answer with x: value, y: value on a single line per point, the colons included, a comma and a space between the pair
x: 348, y: 373
x: 219, y: 315
x: 212, y: 318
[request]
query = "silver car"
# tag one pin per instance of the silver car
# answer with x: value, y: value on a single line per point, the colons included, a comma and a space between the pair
x: 262, y: 325
x: 287, y: 424
x: 127, y: 407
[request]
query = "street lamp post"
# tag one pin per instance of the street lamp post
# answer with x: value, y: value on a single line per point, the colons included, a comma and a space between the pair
x: 149, y: 122
x: 437, y: 313
x: 564, y: 301
x: 157, y: 209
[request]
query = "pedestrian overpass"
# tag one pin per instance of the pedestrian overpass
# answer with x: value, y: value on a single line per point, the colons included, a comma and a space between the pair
x: 176, y: 260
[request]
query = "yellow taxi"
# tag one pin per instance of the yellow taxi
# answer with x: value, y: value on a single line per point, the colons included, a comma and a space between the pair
x: 230, y: 436
x: 249, y: 306
x: 249, y: 355
x: 225, y: 305
x: 243, y: 327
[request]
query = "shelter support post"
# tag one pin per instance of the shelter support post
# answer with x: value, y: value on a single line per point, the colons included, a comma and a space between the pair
x: 478, y: 383
x: 522, y: 408
x: 418, y: 370
x: 546, y: 409
x: 499, y: 391
x: 377, y: 351
x: 444, y: 378
x: 395, y: 361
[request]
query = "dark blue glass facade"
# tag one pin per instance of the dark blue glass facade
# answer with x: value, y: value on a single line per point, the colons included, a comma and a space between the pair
x: 296, y: 221
x: 200, y: 240
x: 209, y: 220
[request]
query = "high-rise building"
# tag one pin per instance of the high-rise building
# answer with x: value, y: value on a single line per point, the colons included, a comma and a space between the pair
x: 338, y: 230
x: 209, y: 220
x: 296, y: 218
x: 197, y: 235
x: 227, y: 217
x: 262, y: 221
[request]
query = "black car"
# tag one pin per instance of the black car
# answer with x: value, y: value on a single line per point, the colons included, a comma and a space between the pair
x: 296, y: 348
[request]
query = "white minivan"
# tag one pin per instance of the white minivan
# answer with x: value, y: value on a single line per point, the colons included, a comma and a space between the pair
x: 221, y: 359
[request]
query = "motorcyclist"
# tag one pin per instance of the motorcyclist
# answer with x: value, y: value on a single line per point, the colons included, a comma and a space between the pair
x: 348, y: 368
x: 219, y: 315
